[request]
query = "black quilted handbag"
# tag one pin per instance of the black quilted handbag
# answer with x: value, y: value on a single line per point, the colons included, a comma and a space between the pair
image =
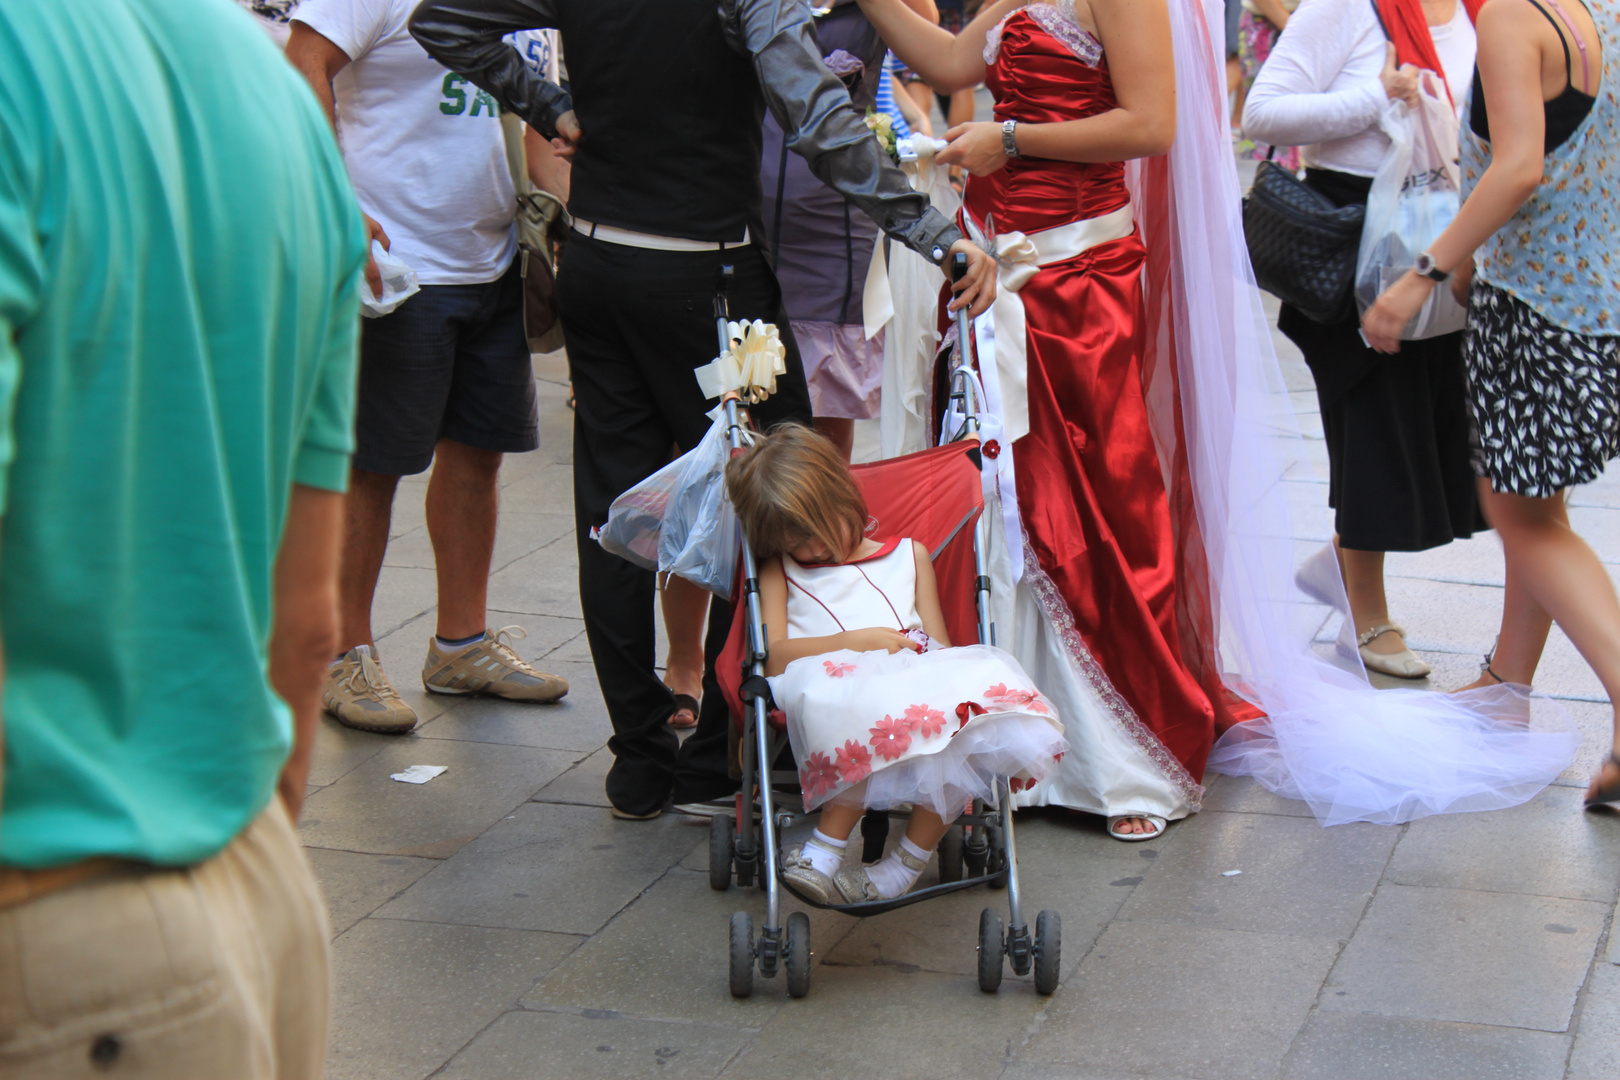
x: 1302, y: 246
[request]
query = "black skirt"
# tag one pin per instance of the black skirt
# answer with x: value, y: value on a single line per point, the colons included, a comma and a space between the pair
x: 1397, y: 427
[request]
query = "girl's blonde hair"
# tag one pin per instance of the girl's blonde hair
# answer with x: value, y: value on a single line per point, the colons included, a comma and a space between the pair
x: 792, y: 488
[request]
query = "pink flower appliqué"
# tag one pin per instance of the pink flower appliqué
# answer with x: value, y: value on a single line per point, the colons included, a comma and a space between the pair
x: 891, y: 738
x: 854, y: 762
x: 925, y: 721
x: 1017, y: 699
x: 837, y: 670
x: 818, y: 776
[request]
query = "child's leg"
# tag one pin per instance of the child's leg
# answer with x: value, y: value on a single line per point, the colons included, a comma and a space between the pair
x: 900, y: 868
x: 838, y: 819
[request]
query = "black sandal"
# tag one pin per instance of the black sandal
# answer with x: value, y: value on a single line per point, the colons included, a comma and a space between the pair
x: 685, y: 703
x: 1605, y: 794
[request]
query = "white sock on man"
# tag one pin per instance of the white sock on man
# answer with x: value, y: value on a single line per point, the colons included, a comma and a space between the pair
x: 825, y: 854
x: 893, y: 877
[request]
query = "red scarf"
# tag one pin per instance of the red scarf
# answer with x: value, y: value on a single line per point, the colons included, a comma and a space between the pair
x: 1408, y: 28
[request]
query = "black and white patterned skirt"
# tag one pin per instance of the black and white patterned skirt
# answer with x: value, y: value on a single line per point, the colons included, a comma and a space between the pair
x: 1546, y: 402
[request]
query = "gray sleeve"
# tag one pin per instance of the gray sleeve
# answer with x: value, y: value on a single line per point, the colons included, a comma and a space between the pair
x: 815, y: 112
x: 465, y: 36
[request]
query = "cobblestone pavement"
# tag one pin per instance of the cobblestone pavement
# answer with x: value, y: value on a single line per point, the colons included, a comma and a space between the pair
x: 496, y: 924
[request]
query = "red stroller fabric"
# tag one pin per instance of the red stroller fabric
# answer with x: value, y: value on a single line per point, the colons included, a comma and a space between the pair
x: 933, y: 497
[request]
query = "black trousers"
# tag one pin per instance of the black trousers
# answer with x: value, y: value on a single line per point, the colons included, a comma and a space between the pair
x: 637, y: 323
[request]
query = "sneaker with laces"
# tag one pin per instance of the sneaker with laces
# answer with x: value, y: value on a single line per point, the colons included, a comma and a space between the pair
x: 489, y: 666
x: 359, y: 695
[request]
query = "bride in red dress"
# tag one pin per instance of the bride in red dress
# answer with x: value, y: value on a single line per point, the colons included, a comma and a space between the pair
x: 1104, y: 618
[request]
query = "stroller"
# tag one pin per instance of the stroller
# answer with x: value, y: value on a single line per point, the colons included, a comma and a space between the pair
x: 936, y: 497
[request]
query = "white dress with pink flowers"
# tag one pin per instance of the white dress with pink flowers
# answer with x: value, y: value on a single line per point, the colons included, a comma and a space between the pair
x: 933, y: 728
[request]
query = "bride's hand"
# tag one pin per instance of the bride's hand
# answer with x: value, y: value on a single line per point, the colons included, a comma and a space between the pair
x: 976, y: 147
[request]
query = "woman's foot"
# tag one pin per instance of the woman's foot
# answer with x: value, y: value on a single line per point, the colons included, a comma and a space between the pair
x: 687, y: 686
x: 686, y: 711
x: 1606, y: 784
x: 1135, y: 829
x: 1383, y: 648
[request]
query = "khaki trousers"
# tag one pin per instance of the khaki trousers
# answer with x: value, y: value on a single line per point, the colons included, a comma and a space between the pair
x: 212, y: 972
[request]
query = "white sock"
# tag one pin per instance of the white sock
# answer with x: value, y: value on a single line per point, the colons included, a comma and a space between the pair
x: 826, y: 854
x: 893, y: 877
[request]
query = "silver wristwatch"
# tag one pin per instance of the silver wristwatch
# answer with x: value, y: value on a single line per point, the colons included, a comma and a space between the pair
x: 1009, y: 142
x: 1425, y: 266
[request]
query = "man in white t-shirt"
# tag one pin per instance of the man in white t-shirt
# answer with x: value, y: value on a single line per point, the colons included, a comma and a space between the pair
x: 445, y: 379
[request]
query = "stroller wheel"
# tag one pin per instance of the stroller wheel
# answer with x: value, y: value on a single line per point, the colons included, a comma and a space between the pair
x: 996, y: 858
x: 722, y: 847
x: 1048, y: 951
x: 992, y: 945
x: 742, y: 954
x: 798, y: 954
x: 950, y: 855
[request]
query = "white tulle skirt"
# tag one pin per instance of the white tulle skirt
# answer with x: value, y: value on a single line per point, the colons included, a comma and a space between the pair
x: 933, y: 729
x: 1418, y: 753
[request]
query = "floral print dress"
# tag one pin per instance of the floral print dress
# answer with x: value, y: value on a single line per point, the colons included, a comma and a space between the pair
x: 932, y: 728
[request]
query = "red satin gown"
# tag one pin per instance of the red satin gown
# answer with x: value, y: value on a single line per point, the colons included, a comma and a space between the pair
x: 1091, y: 490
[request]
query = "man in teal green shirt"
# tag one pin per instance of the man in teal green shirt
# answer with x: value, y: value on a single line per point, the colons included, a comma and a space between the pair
x: 180, y: 258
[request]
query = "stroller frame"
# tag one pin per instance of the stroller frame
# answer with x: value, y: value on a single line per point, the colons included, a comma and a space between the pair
x: 981, y: 841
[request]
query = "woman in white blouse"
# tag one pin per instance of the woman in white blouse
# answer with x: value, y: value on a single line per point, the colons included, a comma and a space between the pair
x: 1396, y: 426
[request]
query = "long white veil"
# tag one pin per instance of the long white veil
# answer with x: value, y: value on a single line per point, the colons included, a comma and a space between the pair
x: 1352, y: 752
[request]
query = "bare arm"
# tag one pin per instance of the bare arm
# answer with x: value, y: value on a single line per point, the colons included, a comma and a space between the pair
x: 304, y: 634
x: 1514, y: 43
x: 933, y: 616
x: 947, y: 62
x: 1273, y: 10
x: 784, y: 650
x: 1135, y: 35
x: 548, y: 169
x: 319, y: 61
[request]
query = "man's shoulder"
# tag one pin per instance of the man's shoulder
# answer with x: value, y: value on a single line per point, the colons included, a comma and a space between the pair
x: 358, y: 26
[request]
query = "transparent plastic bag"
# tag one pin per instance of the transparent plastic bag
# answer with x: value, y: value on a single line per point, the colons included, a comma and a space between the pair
x: 1414, y: 197
x: 399, y: 284
x: 679, y: 519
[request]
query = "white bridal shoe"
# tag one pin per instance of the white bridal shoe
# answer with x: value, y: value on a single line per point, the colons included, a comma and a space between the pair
x: 1403, y: 665
x: 1158, y: 823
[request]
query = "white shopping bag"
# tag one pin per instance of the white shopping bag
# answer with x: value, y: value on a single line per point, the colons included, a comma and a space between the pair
x: 399, y: 284
x: 679, y: 520
x: 1414, y: 196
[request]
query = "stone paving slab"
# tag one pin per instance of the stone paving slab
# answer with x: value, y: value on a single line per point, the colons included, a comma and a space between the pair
x: 1546, y: 847
x: 409, y: 995
x: 1597, y: 1041
x: 577, y: 724
x: 1509, y: 960
x: 524, y: 1044
x: 882, y: 1022
x: 1345, y: 1047
x: 366, y: 811
x: 1295, y: 877
x: 664, y: 958
x: 357, y: 884
x: 1184, y: 1002
x: 583, y: 786
x: 549, y: 867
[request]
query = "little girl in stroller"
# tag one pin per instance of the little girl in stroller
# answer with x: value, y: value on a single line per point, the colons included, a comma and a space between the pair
x: 881, y: 710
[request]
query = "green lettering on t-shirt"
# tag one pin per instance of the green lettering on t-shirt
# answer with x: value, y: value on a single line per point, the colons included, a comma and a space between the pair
x: 484, y: 101
x: 455, y: 99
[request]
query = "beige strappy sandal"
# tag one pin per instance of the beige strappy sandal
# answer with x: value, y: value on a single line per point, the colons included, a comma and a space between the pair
x: 1403, y: 665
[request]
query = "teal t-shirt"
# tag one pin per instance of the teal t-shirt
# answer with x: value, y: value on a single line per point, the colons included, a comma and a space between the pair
x: 179, y: 262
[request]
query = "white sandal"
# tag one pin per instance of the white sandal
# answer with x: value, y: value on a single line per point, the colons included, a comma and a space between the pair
x: 1403, y: 665
x: 1159, y: 825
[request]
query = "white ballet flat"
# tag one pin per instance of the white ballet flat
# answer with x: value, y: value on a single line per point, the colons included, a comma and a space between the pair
x: 1318, y: 578
x: 1158, y: 823
x: 1403, y: 665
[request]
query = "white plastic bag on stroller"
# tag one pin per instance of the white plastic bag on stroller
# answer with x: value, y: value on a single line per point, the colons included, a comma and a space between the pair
x: 1414, y: 196
x: 679, y: 520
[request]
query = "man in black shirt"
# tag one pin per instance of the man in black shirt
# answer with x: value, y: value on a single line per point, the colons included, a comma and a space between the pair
x: 663, y: 124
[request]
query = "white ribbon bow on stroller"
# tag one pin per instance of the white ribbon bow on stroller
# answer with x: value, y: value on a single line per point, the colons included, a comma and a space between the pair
x: 749, y: 367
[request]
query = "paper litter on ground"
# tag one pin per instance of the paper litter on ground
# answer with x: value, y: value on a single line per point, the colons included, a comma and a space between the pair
x: 418, y: 774
x: 1230, y: 873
